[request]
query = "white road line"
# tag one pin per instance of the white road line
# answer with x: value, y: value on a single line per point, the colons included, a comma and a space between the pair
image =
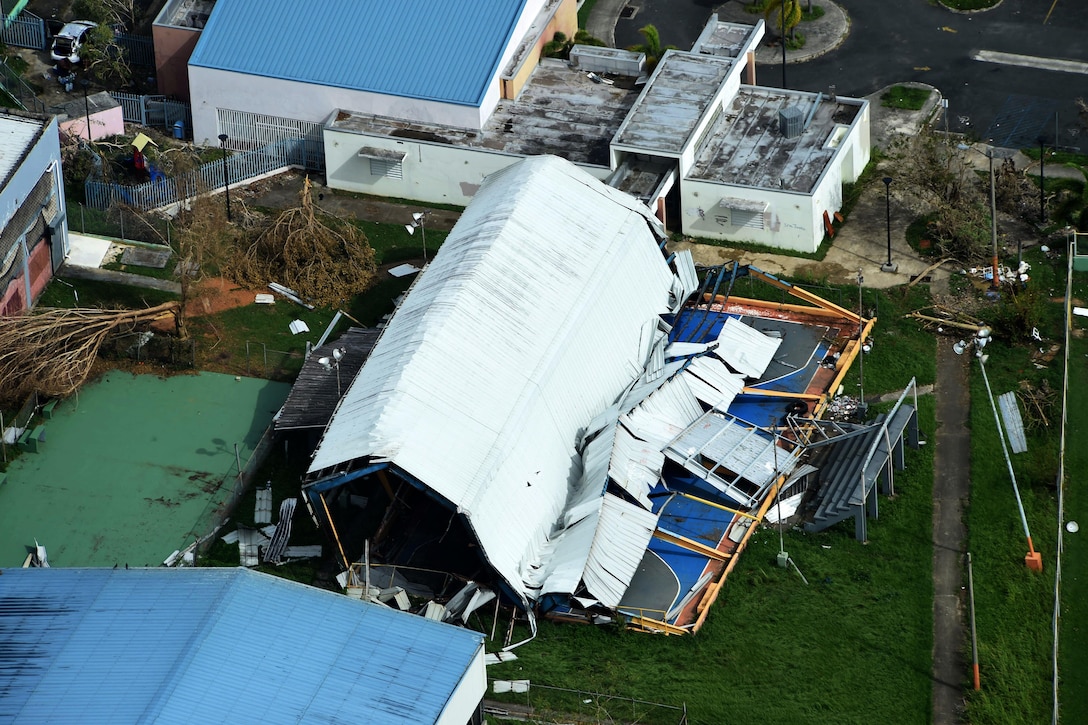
x: 1031, y: 61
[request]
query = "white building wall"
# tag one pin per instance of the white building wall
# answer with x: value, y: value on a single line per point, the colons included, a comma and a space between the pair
x: 787, y: 222
x: 212, y: 89
x: 430, y: 172
x: 466, y: 698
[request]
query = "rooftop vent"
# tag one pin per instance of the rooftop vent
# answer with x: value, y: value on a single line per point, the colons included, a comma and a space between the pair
x: 791, y: 121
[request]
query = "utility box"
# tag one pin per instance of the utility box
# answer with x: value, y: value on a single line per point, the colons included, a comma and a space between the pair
x: 592, y: 59
x: 791, y: 121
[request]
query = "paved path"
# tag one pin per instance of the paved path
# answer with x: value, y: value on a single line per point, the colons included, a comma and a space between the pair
x: 951, y: 488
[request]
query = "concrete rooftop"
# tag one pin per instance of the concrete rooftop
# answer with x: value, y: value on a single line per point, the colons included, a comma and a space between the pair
x: 746, y: 147
x: 560, y: 111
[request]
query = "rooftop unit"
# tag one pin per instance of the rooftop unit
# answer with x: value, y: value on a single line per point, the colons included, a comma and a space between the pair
x: 590, y: 58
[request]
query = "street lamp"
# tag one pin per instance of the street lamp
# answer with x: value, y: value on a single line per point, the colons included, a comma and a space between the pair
x: 783, y: 50
x: 888, y: 266
x: 418, y: 219
x: 1033, y: 559
x: 989, y: 153
x: 1042, y: 179
x: 86, y: 107
x: 226, y: 183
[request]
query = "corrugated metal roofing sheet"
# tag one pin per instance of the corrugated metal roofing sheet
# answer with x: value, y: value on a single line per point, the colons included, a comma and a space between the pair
x: 17, y: 137
x: 747, y: 350
x: 1014, y: 424
x: 162, y: 645
x: 516, y: 336
x: 443, y: 51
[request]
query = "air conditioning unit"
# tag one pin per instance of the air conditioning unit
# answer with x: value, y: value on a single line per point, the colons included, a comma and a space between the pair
x: 791, y: 121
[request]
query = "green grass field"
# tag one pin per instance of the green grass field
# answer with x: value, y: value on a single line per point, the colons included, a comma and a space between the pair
x: 1073, y: 636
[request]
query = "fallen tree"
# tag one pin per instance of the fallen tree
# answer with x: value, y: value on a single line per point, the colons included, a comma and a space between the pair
x: 52, y: 351
x: 325, y: 260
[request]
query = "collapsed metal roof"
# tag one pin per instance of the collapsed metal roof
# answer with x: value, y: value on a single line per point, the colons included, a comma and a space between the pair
x: 522, y: 329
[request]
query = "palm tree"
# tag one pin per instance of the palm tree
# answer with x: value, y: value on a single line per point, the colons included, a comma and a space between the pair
x: 652, y: 47
x: 787, y: 15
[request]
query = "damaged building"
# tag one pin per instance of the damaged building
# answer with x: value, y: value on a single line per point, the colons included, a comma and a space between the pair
x: 561, y: 412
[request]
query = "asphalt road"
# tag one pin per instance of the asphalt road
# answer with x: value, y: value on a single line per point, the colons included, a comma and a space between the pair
x: 914, y: 40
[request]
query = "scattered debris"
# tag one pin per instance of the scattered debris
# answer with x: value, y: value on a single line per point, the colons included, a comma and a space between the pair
x: 273, y: 553
x: 844, y: 408
x: 1038, y: 402
x: 403, y: 270
x: 264, y: 298
x: 262, y: 511
x: 299, y: 326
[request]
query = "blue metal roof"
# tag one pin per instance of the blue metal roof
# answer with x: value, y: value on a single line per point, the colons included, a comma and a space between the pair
x: 215, y: 645
x: 427, y: 49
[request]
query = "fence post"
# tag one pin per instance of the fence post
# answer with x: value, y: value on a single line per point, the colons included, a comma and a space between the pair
x: 82, y: 221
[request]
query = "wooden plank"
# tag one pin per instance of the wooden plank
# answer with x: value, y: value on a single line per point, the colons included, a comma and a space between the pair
x: 691, y: 545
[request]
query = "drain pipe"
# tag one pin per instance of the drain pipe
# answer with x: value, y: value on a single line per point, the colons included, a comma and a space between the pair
x: 812, y: 112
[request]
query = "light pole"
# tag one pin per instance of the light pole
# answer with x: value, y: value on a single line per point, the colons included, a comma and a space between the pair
x: 86, y: 108
x: 1042, y: 179
x: 226, y: 183
x: 418, y: 220
x: 783, y: 49
x: 888, y: 266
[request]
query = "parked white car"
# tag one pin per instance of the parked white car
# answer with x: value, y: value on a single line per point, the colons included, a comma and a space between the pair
x: 67, y: 43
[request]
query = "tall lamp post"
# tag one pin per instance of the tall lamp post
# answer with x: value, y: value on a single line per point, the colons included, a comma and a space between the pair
x: 888, y: 266
x: 226, y: 184
x: 1042, y: 179
x: 783, y: 50
x: 418, y: 221
x: 86, y: 107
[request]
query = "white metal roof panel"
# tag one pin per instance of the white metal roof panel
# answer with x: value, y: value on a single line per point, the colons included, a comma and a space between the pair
x: 745, y: 349
x: 623, y: 533
x: 635, y: 465
x: 602, y: 550
x: 1014, y: 424
x: 520, y: 331
x: 664, y: 414
x: 712, y: 382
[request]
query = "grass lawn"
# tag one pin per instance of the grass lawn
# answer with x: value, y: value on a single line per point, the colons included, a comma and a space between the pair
x: 65, y: 292
x: 1013, y: 604
x: 905, y: 97
x: 1073, y: 640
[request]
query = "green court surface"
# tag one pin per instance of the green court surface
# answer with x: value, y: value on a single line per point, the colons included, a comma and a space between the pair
x: 133, y: 468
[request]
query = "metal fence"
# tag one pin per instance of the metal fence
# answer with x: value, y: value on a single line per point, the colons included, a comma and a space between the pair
x: 167, y: 191
x: 25, y: 31
x: 153, y: 111
x: 139, y: 49
x: 19, y: 90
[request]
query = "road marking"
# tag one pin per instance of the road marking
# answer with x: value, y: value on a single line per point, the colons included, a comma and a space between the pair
x: 922, y: 67
x: 1030, y: 61
x: 947, y: 29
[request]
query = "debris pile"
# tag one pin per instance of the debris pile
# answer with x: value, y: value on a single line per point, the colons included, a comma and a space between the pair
x: 844, y: 408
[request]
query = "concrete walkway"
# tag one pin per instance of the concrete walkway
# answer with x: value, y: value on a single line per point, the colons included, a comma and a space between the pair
x: 951, y: 492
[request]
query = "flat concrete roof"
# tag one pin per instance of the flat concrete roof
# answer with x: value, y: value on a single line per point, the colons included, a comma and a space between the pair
x: 746, y: 147
x: 724, y: 39
x: 678, y: 95
x: 560, y: 111
x: 185, y: 13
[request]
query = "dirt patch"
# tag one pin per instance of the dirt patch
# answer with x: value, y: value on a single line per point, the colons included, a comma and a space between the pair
x: 217, y: 294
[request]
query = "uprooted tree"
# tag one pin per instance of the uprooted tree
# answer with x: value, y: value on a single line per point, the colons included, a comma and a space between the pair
x: 52, y: 351
x: 324, y: 260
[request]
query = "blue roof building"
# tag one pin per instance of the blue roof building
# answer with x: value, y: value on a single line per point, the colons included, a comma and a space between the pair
x: 439, y: 61
x: 222, y: 645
